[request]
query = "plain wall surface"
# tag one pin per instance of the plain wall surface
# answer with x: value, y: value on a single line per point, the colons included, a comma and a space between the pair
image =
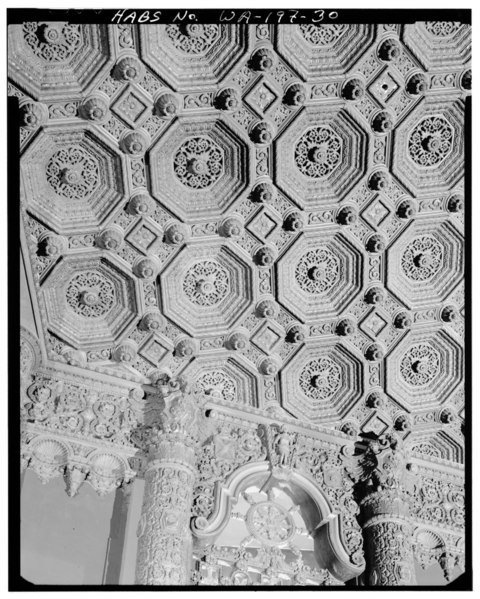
x: 64, y: 540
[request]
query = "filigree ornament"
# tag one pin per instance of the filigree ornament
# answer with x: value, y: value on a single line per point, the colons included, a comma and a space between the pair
x: 198, y: 163
x: 422, y: 258
x: 442, y: 28
x: 322, y: 35
x: 215, y: 384
x: 193, y: 38
x: 320, y: 378
x: 90, y: 295
x: 318, y: 153
x: 73, y: 173
x: 54, y: 42
x: 206, y: 283
x: 420, y: 365
x: 431, y: 141
x: 317, y: 271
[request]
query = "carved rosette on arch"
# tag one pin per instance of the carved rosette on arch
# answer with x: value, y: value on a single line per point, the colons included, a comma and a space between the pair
x: 384, y: 485
x: 169, y: 440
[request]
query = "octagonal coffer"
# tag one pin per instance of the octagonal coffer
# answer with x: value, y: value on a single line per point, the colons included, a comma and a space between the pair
x: 424, y: 370
x: 439, y: 44
x: 428, y: 147
x: 425, y: 263
x: 231, y: 380
x: 192, y: 55
x: 199, y: 167
x: 319, y: 275
x: 51, y: 60
x: 316, y: 51
x: 206, y: 289
x: 91, y: 301
x: 320, y: 157
x: 73, y: 179
x: 322, y: 383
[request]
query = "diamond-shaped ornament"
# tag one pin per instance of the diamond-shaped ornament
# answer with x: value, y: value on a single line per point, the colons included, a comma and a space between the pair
x: 384, y: 87
x: 373, y: 324
x: 145, y: 236
x: 375, y: 424
x: 155, y: 350
x: 376, y: 212
x: 132, y: 106
x: 263, y: 224
x: 268, y: 336
x: 261, y: 97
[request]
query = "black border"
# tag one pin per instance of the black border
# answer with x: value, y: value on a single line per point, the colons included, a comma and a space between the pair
x: 258, y: 16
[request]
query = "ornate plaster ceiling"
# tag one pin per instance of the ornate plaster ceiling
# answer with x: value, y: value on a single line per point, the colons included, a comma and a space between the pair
x: 274, y: 212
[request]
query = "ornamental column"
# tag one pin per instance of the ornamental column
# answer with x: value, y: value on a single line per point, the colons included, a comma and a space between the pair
x: 164, y: 555
x: 383, y: 489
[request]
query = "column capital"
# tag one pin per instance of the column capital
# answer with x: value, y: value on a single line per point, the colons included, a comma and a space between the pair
x: 381, y: 463
x: 171, y: 426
